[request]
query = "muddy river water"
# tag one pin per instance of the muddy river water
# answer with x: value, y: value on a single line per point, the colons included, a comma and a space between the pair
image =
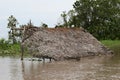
x: 92, y: 68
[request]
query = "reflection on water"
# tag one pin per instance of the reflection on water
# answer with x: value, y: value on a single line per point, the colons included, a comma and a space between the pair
x: 95, y: 68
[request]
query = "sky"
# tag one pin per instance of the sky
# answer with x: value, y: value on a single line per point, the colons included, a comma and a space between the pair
x: 46, y: 11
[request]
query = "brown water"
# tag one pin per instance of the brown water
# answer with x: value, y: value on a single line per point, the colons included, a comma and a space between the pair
x: 94, y: 68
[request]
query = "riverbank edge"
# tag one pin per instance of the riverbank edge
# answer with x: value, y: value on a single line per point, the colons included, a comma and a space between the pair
x: 113, y: 45
x: 15, y: 49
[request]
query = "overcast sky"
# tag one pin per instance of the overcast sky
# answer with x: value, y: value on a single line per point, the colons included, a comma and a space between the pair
x: 47, y: 11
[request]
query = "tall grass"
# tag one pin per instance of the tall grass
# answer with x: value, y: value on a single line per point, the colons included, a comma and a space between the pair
x: 12, y: 50
x: 113, y: 45
x: 9, y: 49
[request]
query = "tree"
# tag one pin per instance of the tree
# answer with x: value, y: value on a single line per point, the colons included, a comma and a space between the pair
x: 72, y: 19
x: 12, y: 23
x: 69, y: 19
x: 64, y: 17
x: 99, y: 17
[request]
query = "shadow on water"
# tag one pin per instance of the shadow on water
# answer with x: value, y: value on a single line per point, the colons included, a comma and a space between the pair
x: 92, y: 68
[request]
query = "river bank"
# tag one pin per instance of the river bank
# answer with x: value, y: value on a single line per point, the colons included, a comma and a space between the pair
x: 11, y: 50
x: 14, y: 49
x: 113, y: 45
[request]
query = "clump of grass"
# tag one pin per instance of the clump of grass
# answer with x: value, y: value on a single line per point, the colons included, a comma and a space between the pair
x: 12, y: 50
x: 9, y: 50
x: 113, y: 45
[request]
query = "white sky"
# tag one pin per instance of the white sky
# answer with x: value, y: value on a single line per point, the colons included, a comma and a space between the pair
x: 47, y: 11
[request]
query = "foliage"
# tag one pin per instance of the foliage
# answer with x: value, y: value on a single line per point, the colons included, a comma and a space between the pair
x: 8, y: 49
x: 12, y: 23
x: 100, y: 17
x: 64, y: 16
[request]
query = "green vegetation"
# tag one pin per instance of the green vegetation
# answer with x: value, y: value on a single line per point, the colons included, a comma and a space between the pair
x: 12, y: 23
x: 113, y: 44
x: 12, y: 46
x: 100, y: 17
x: 8, y: 49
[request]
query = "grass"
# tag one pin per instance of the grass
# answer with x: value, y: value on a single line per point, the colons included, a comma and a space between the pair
x: 11, y: 50
x: 113, y: 45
